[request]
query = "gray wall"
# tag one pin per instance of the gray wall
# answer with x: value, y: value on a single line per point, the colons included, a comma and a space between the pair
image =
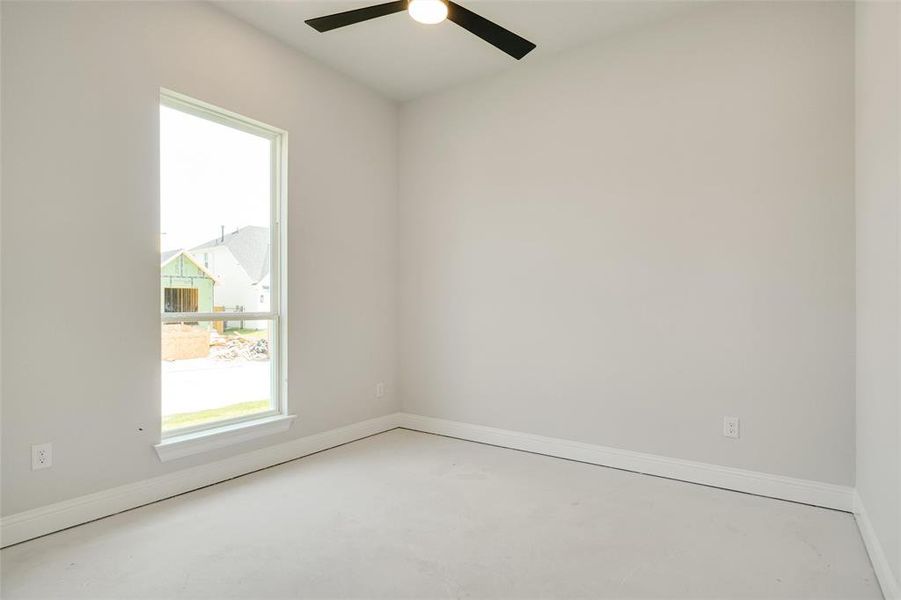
x: 618, y: 245
x: 625, y: 243
x: 80, y: 194
x: 878, y: 266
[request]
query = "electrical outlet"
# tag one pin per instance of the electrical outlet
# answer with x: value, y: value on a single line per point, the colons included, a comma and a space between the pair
x: 379, y: 390
x: 41, y: 456
x: 731, y: 427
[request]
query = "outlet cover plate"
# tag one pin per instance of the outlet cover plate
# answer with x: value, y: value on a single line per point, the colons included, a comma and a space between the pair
x: 731, y: 427
x: 41, y: 456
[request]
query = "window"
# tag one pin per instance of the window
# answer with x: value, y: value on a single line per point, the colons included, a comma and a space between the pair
x: 180, y: 300
x: 221, y: 235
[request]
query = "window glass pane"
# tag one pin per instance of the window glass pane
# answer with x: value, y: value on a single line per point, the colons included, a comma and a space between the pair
x: 215, y: 371
x: 215, y: 213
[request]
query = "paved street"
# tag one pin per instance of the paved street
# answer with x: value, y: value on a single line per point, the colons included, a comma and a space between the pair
x: 202, y: 383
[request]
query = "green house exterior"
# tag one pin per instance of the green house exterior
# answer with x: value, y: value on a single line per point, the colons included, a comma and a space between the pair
x: 181, y: 272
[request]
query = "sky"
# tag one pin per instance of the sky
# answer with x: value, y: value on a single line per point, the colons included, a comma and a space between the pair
x: 210, y: 175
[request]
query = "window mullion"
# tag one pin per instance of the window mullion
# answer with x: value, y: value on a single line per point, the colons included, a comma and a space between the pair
x: 219, y: 316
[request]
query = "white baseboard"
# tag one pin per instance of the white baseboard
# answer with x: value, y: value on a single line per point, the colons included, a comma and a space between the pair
x: 891, y: 589
x: 47, y: 519
x: 775, y: 486
x: 41, y: 521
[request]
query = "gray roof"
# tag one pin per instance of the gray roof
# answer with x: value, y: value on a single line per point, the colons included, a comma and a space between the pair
x: 250, y: 247
x: 166, y: 255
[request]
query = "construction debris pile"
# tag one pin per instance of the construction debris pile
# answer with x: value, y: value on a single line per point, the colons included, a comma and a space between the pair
x: 233, y: 347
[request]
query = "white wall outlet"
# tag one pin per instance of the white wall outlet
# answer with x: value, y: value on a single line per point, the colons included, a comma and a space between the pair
x: 379, y: 390
x: 731, y: 427
x: 41, y: 456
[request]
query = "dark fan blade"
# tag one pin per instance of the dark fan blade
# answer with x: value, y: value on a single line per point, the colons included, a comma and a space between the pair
x: 494, y: 34
x: 342, y: 19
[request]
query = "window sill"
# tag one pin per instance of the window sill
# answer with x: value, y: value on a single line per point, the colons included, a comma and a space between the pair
x: 220, y: 437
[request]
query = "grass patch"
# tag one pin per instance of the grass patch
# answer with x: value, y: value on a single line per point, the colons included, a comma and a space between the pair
x: 189, y: 419
x: 249, y: 334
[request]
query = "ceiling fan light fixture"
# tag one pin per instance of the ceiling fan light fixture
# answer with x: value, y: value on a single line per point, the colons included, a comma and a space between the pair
x: 428, y: 12
x: 431, y: 12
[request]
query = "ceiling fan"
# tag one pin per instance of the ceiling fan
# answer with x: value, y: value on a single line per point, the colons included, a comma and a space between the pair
x: 431, y: 12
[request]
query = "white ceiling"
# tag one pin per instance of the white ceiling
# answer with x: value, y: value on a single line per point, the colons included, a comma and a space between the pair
x: 404, y: 59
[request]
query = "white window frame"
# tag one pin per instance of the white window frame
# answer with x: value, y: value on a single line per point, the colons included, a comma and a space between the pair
x: 182, y: 441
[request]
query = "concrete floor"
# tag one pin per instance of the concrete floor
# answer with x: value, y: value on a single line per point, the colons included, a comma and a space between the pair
x: 412, y: 515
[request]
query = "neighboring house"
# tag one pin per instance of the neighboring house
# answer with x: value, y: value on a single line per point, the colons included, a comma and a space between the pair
x: 240, y: 264
x: 185, y: 284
